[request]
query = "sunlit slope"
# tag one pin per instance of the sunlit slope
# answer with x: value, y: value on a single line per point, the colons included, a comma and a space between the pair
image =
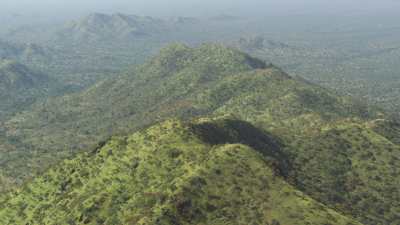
x: 208, y: 172
x: 333, y: 146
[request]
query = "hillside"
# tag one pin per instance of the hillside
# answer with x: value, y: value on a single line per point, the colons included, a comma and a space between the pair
x: 19, y: 86
x: 365, y: 70
x: 17, y: 76
x: 24, y: 52
x: 332, y: 150
x: 207, y: 172
x: 7, y: 49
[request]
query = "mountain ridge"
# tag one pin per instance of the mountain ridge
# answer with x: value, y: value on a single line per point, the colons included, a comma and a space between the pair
x: 313, y: 124
x: 182, y: 186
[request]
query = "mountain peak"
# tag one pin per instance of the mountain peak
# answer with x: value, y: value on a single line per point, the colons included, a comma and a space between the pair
x: 207, y: 58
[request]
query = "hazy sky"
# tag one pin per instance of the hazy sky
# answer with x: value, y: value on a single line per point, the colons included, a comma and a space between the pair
x: 196, y: 7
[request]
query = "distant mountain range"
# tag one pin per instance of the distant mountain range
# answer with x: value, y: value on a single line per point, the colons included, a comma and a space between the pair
x: 117, y: 26
x: 79, y: 53
x: 101, y: 27
x: 249, y: 143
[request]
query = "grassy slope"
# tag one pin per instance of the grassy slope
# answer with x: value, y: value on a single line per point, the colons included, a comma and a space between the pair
x: 333, y: 152
x: 172, y: 173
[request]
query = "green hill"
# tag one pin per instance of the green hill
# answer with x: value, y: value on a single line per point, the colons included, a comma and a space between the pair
x: 14, y: 75
x: 24, y: 52
x: 209, y: 172
x: 332, y: 149
x: 19, y: 86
